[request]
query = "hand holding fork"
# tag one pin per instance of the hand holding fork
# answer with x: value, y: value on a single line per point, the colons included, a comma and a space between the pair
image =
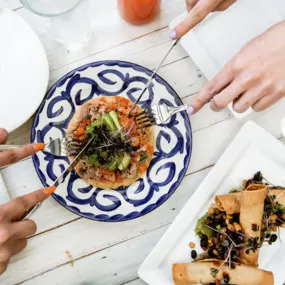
x: 159, y: 114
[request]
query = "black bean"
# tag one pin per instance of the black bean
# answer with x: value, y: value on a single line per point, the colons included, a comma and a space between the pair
x: 204, y: 241
x: 273, y: 238
x: 267, y: 236
x: 257, y: 177
x: 236, y: 218
x: 193, y: 254
x: 211, y: 253
x: 226, y: 278
x: 221, y: 254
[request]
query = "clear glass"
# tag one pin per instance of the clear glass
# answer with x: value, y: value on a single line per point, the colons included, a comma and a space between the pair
x: 69, y: 19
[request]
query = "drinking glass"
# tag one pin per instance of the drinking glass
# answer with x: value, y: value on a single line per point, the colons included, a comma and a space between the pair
x: 138, y: 12
x: 69, y: 19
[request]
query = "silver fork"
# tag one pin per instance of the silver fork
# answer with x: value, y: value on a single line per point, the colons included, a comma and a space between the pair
x: 58, y: 147
x: 158, y: 115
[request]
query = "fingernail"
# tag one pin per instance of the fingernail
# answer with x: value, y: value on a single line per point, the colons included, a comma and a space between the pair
x: 39, y: 146
x: 190, y: 111
x: 173, y: 34
x: 49, y: 190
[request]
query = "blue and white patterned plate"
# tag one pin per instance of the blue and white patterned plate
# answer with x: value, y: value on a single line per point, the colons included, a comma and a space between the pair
x: 173, y: 141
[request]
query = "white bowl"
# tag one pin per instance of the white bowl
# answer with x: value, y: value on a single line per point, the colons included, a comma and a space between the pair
x: 24, y: 70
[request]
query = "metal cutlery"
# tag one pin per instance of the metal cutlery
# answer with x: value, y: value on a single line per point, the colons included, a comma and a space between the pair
x: 174, y: 43
x: 58, y: 147
x: 158, y: 115
x: 60, y: 179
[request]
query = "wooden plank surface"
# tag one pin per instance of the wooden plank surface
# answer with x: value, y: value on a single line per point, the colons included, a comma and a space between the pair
x: 87, y: 237
x: 110, y: 253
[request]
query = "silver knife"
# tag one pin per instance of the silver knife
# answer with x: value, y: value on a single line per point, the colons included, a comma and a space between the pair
x: 59, y: 180
x: 174, y: 43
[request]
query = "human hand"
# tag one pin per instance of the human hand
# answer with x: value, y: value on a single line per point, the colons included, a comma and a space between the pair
x: 14, y: 233
x: 253, y: 78
x: 198, y: 11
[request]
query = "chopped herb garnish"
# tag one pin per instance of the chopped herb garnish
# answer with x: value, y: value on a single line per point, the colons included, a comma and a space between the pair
x: 214, y: 272
x: 143, y: 157
x: 94, y: 159
x: 235, y: 190
x: 278, y: 208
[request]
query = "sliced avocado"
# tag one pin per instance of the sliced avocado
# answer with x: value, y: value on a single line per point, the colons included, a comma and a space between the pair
x: 120, y: 157
x: 115, y: 118
x: 109, y: 123
x: 124, y: 162
x: 112, y: 165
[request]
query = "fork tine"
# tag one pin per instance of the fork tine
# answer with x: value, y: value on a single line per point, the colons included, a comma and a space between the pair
x: 71, y: 147
x: 146, y: 126
x: 146, y: 120
x: 144, y: 112
x: 148, y: 117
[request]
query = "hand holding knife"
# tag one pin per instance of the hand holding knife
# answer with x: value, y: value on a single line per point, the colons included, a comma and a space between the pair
x: 174, y: 43
x: 60, y: 179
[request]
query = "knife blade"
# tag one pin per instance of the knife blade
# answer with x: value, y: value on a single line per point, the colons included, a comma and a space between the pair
x: 70, y: 167
x: 174, y: 43
x: 60, y: 179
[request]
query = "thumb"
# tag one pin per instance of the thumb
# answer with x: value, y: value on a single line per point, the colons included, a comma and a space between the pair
x: 195, y: 16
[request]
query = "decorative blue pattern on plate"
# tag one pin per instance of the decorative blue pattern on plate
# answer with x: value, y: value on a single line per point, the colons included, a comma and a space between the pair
x: 172, y: 152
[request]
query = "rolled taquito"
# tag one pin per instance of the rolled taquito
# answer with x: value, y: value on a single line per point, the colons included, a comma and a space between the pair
x: 230, y: 203
x: 209, y: 271
x: 251, y: 211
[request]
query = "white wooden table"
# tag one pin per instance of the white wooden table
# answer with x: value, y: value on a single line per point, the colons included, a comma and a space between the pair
x: 68, y: 249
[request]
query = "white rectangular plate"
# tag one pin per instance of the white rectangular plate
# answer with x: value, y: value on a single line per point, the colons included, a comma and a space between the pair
x: 253, y: 149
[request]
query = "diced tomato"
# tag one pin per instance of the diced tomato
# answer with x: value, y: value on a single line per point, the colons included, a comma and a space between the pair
x: 126, y: 122
x: 112, y: 105
x: 123, y: 102
x: 151, y: 149
x: 119, y: 178
x: 80, y: 130
x: 106, y: 172
x: 143, y: 167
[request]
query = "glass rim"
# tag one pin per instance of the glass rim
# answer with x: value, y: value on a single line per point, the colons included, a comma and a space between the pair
x: 50, y: 15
